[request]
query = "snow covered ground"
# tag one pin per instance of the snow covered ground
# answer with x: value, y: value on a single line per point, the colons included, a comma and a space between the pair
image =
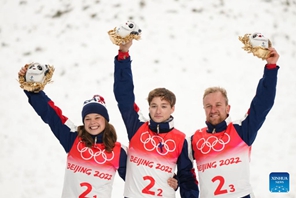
x: 186, y: 46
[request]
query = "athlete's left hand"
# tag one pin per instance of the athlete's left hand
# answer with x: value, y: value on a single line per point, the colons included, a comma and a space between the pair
x: 172, y: 182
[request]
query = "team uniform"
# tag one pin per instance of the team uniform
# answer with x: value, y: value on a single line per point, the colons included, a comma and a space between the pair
x: 222, y: 152
x: 155, y: 149
x: 89, y: 172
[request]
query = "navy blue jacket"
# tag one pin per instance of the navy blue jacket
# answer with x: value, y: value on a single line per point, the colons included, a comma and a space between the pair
x: 248, y: 127
x: 62, y: 128
x: 124, y: 94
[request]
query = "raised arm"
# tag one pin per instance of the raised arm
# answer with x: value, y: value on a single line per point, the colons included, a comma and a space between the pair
x: 262, y: 102
x: 123, y: 89
x: 62, y: 128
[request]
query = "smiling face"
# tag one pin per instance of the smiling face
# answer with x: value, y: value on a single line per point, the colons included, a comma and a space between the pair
x: 94, y: 123
x: 160, y: 110
x: 216, y: 107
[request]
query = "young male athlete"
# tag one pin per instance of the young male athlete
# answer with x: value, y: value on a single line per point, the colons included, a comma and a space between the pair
x: 156, y: 148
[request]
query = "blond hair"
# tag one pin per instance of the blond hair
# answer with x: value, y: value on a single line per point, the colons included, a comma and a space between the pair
x: 216, y: 89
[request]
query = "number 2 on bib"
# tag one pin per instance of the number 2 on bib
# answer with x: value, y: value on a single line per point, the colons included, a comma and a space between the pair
x: 220, y: 188
x: 87, y: 191
x: 147, y: 189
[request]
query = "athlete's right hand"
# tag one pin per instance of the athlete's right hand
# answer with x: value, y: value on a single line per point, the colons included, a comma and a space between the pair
x: 273, y: 56
x: 22, y: 71
x: 125, y: 47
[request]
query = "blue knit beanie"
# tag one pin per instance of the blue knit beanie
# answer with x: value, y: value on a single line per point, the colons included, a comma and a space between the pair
x: 95, y: 105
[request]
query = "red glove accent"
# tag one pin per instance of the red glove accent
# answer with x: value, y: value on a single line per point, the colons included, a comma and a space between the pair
x: 270, y: 66
x: 122, y: 55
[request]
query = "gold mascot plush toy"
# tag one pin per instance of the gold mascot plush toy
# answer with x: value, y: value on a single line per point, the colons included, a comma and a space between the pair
x: 36, y: 77
x: 124, y: 33
x: 257, y: 44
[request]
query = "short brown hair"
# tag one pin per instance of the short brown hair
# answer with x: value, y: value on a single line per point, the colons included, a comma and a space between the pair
x: 216, y: 89
x: 164, y: 93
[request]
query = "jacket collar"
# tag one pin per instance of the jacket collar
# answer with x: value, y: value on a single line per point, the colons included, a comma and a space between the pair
x: 219, y: 127
x: 161, y: 127
x: 99, y: 138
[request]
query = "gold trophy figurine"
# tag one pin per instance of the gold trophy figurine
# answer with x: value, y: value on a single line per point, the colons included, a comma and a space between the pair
x: 257, y: 44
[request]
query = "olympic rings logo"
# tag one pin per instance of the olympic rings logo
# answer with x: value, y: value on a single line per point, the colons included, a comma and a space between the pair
x: 212, y: 143
x: 99, y: 156
x: 155, y: 142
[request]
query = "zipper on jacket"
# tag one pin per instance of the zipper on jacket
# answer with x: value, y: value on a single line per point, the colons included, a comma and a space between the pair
x: 96, y: 140
x: 160, y: 145
x: 214, y: 130
x: 157, y: 127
